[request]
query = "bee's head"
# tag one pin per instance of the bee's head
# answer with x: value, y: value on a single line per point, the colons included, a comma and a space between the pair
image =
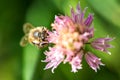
x: 37, y: 35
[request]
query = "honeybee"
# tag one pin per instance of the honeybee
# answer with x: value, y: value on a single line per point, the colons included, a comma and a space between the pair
x: 34, y: 35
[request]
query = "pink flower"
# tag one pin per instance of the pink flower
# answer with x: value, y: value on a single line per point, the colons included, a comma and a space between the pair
x: 84, y: 25
x: 102, y: 44
x: 76, y: 62
x: 93, y: 61
x: 54, y: 57
x: 69, y: 36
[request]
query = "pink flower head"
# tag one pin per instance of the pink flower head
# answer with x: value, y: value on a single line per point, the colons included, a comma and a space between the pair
x: 69, y: 36
x: 102, y: 44
x: 54, y: 57
x: 78, y: 16
x: 93, y: 61
x: 84, y: 25
x: 76, y: 62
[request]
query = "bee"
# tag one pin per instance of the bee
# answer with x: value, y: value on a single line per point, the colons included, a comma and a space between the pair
x: 34, y: 35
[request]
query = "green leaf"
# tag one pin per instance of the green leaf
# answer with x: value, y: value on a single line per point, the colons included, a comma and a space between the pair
x: 30, y: 58
x: 108, y: 9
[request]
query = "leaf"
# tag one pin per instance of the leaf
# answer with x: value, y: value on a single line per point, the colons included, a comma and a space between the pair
x: 30, y: 58
x: 108, y: 9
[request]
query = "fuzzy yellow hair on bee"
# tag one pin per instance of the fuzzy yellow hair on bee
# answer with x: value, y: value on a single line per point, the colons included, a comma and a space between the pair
x: 34, y: 35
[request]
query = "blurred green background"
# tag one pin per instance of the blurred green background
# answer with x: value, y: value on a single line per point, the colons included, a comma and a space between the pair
x: 17, y: 63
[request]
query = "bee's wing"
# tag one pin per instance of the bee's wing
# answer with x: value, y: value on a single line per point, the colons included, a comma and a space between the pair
x: 24, y: 41
x: 27, y: 27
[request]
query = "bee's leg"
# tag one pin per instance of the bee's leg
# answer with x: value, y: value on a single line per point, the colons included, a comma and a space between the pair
x: 42, y: 44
